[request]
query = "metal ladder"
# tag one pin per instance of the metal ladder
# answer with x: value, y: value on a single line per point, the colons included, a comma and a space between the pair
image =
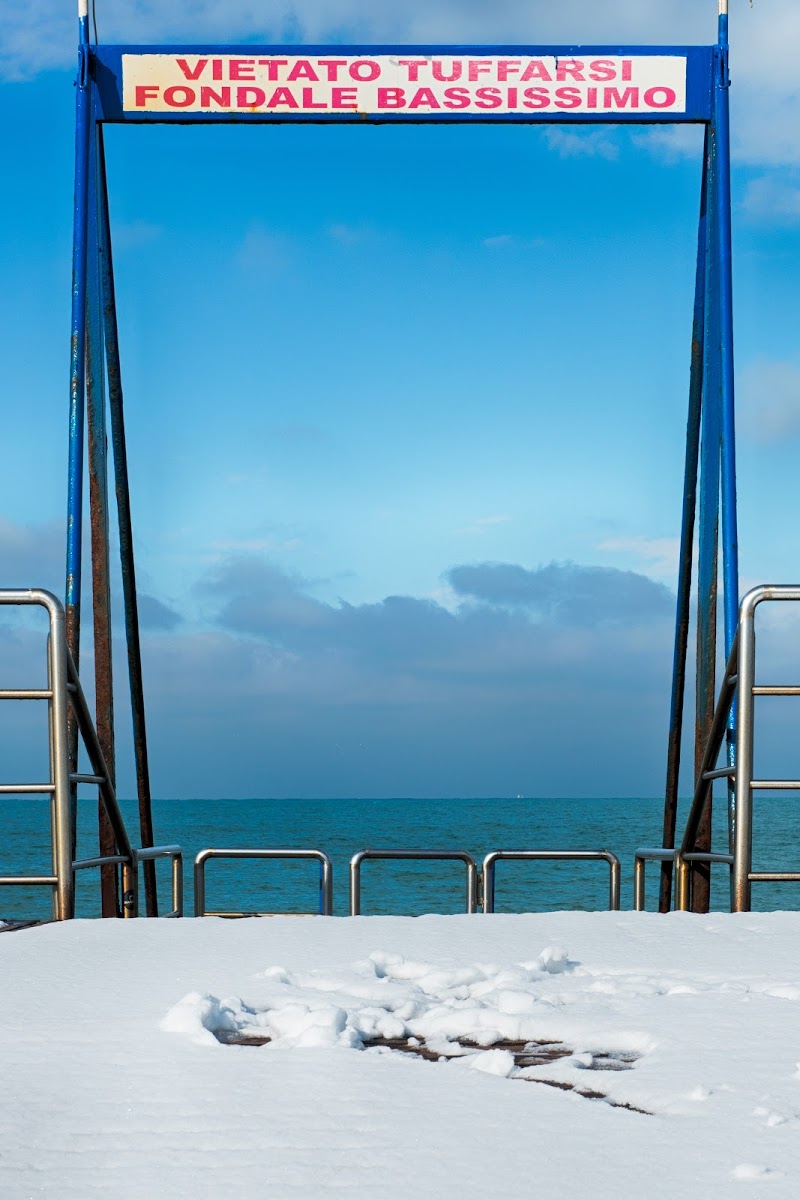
x: 738, y: 685
x: 62, y: 692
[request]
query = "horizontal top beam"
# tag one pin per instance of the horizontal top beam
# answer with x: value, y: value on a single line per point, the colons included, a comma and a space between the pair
x: 418, y: 84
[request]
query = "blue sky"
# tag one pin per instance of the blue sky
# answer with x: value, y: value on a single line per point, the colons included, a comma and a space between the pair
x: 405, y: 405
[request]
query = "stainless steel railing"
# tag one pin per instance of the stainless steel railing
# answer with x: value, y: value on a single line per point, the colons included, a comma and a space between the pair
x: 175, y: 854
x: 64, y: 689
x: 414, y: 855
x: 62, y: 879
x: 745, y: 784
x: 488, y: 873
x: 479, y: 885
x: 325, y: 867
x: 739, y: 686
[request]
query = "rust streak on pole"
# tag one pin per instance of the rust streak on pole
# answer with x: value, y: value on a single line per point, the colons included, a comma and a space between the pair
x: 687, y: 544
x: 101, y: 577
x: 116, y: 408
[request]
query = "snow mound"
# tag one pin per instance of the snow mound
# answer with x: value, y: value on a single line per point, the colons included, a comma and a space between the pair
x: 389, y: 998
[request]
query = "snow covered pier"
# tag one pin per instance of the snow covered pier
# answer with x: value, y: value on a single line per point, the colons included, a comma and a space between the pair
x: 116, y: 1080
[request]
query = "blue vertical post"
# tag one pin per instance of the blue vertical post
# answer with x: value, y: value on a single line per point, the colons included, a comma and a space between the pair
x: 683, y: 605
x: 730, y: 536
x: 708, y: 550
x: 78, y: 339
x: 77, y: 384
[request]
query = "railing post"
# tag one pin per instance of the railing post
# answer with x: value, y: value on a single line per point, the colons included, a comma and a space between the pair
x: 743, y: 834
x: 683, y: 884
x: 62, y: 813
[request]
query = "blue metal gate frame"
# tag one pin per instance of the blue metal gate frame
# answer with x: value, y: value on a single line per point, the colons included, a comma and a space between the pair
x: 710, y: 470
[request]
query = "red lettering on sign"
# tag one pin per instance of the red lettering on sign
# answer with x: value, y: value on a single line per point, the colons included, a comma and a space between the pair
x: 424, y: 96
x: 391, y: 97
x: 252, y: 97
x: 602, y: 69
x: 536, y: 70
x: 536, y: 97
x: 303, y: 70
x: 179, y: 97
x: 478, y: 67
x: 455, y: 71
x: 365, y: 70
x: 216, y: 68
x: 242, y: 68
x: 282, y: 95
x: 508, y: 66
x: 209, y: 96
x: 591, y: 97
x: 308, y: 99
x: 570, y: 68
x: 144, y: 93
x: 413, y: 65
x: 627, y: 69
x: 342, y: 97
x: 456, y: 97
x: 188, y: 72
x: 272, y: 65
x: 568, y: 97
x: 512, y: 97
x: 614, y: 98
x: 332, y: 65
x: 667, y: 95
x: 488, y: 97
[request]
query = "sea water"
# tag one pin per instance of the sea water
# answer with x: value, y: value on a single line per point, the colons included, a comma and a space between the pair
x: 342, y: 827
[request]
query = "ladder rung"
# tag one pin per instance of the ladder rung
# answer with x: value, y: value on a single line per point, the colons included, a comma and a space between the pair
x: 104, y: 860
x: 722, y: 773
x: 26, y: 694
x: 774, y: 785
x: 29, y: 880
x: 707, y: 856
x: 763, y: 690
x: 77, y: 778
x: 774, y: 876
x: 26, y: 789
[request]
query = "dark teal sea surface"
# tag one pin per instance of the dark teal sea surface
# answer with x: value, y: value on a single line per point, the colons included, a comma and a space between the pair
x: 341, y: 827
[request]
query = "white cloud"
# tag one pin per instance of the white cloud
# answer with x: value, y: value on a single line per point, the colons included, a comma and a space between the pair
x: 583, y: 143
x: 769, y: 401
x: 350, y: 235
x: 505, y: 241
x: 671, y: 143
x: 773, y: 199
x: 765, y: 40
x: 656, y: 556
x: 133, y: 235
x: 263, y: 251
x: 265, y: 545
x: 481, y: 524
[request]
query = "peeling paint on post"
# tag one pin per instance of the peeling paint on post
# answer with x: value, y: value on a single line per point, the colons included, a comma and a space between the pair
x: 687, y: 545
x: 708, y: 528
x: 116, y: 408
x: 98, y: 512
